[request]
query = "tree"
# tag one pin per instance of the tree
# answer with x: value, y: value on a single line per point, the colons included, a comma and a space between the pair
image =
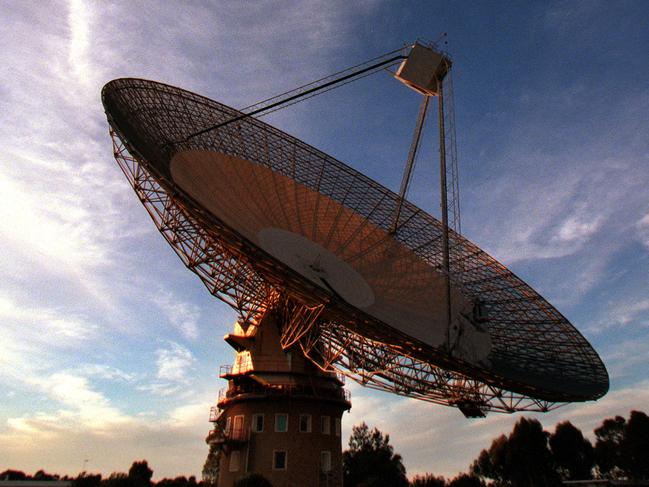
x: 572, y: 452
x: 427, y: 480
x: 87, y: 480
x: 116, y: 479
x: 140, y: 474
x: 522, y: 459
x: 43, y: 475
x: 530, y: 459
x: 492, y: 463
x: 466, y: 480
x: 608, y: 447
x: 253, y: 480
x: 13, y: 475
x: 635, y: 446
x: 371, y: 461
x: 210, y: 472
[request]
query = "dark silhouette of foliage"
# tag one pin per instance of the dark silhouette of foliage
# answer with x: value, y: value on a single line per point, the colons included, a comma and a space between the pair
x: 530, y: 459
x: 492, y: 463
x: 13, y: 475
x: 42, y: 475
x: 116, y: 479
x: 85, y: 479
x: 572, y: 452
x: 635, y: 446
x: 622, y: 447
x: 211, y: 466
x: 371, y: 461
x: 608, y: 448
x: 140, y: 474
x: 522, y: 459
x: 181, y: 481
x: 427, y: 480
x: 253, y: 480
x: 466, y: 480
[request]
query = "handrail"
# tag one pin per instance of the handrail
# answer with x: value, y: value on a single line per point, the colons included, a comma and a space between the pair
x: 284, y: 390
x: 248, y: 364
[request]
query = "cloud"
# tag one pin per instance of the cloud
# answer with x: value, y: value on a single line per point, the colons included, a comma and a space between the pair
x: 107, y: 372
x: 626, y: 357
x: 31, y: 339
x: 575, y: 229
x: 181, y: 315
x: 174, y: 362
x: 629, y: 312
x: 82, y: 408
x: 78, y: 22
x: 54, y: 228
x: 626, y: 311
x: 173, y: 442
x: 642, y: 227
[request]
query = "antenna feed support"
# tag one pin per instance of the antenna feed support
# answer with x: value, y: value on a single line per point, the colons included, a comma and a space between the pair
x: 424, y: 70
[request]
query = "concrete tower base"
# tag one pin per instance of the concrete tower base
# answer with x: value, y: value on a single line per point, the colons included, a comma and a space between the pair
x: 280, y: 415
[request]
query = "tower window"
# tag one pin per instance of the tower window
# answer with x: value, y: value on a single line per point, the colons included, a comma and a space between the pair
x: 281, y: 423
x: 305, y: 423
x: 325, y: 425
x: 325, y: 461
x: 234, y: 461
x: 237, y: 429
x: 257, y: 423
x: 279, y: 460
x: 337, y: 426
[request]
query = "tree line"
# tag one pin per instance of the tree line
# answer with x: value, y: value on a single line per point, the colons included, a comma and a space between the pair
x: 528, y: 457
x: 139, y: 475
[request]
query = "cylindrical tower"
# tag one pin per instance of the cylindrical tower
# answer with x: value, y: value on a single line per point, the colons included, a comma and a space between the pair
x: 280, y: 415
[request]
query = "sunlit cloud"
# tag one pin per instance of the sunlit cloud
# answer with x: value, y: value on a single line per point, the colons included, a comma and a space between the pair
x: 107, y: 372
x: 52, y: 228
x: 174, y: 362
x: 181, y: 315
x: 78, y: 22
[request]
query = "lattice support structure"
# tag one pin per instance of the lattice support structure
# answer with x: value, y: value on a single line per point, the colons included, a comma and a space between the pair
x: 230, y: 277
x: 535, y: 351
x: 377, y: 366
x: 452, y: 169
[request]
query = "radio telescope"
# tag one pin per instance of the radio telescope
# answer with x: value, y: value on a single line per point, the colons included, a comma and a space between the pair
x: 355, y: 277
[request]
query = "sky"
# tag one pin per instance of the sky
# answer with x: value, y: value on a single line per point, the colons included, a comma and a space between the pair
x: 110, y: 348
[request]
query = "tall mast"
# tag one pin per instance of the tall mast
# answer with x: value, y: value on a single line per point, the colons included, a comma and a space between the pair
x: 444, y: 209
x: 424, y: 71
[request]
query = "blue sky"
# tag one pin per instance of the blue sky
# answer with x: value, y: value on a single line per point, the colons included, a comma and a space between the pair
x: 109, y: 348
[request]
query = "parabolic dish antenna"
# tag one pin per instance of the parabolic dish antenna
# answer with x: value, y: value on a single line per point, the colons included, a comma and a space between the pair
x: 271, y: 223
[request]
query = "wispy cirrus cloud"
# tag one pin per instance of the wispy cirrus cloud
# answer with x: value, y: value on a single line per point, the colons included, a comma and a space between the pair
x: 174, y: 362
x: 182, y: 315
x: 642, y: 227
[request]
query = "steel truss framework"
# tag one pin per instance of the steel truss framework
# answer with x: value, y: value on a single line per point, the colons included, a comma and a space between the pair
x: 532, y: 340
x: 230, y: 276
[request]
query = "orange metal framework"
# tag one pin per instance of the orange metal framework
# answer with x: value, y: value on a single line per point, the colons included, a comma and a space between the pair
x: 539, y: 359
x: 328, y: 338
